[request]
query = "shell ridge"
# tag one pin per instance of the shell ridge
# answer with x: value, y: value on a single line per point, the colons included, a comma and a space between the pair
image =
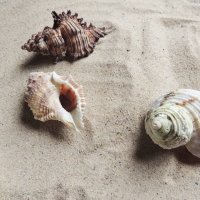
x: 79, y: 41
x: 78, y: 47
x: 87, y: 44
x: 74, y: 30
x: 82, y: 44
x: 66, y: 35
x: 69, y: 42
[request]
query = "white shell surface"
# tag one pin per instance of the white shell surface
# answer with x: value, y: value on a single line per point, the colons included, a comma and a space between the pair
x: 43, y: 97
x: 182, y: 110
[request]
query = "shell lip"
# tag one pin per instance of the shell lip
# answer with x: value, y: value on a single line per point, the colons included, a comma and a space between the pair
x: 77, y: 113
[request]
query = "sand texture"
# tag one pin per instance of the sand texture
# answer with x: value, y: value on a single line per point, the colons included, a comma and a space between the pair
x: 153, y: 47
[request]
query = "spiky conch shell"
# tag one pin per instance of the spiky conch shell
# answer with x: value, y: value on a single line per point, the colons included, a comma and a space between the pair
x: 173, y: 120
x: 68, y: 37
x: 54, y: 97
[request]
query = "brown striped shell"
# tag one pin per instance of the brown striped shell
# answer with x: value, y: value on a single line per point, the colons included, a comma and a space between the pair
x: 173, y: 120
x: 53, y: 97
x: 68, y: 37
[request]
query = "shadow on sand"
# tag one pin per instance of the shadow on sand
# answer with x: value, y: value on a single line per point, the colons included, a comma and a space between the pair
x: 146, y: 150
x: 56, y: 129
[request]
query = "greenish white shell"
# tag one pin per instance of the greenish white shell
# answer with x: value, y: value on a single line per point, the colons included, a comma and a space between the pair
x: 173, y: 120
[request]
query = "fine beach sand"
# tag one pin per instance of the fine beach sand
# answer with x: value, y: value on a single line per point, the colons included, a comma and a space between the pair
x: 153, y: 47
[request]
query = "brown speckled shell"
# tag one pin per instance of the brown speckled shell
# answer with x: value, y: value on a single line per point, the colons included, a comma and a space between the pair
x: 69, y: 37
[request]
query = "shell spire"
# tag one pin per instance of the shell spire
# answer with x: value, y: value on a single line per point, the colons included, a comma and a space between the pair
x: 173, y: 120
x: 69, y: 37
x: 54, y: 97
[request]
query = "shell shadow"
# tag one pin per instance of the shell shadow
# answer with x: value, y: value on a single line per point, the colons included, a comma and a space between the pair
x: 184, y: 156
x: 146, y: 150
x: 56, y: 129
x: 36, y: 60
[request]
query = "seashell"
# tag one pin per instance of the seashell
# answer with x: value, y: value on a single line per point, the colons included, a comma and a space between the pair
x: 173, y: 120
x: 54, y: 97
x: 69, y: 37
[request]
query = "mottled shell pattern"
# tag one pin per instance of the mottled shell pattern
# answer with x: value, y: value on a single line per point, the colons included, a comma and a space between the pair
x: 53, y: 97
x: 173, y: 120
x: 68, y: 37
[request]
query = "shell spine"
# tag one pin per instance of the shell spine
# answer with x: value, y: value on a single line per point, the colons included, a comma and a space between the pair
x: 68, y: 37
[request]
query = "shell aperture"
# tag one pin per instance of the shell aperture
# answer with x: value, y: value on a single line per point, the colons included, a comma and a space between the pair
x: 54, y: 97
x: 173, y: 120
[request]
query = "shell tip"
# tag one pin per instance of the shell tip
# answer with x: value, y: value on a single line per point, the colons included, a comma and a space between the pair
x: 156, y: 124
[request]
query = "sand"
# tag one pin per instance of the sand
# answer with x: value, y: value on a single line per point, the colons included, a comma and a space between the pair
x: 152, y: 48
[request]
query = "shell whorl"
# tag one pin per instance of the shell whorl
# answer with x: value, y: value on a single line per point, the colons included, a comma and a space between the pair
x: 53, y: 97
x: 175, y: 126
x: 173, y: 120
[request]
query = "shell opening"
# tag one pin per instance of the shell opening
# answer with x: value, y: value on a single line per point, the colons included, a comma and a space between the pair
x: 67, y: 98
